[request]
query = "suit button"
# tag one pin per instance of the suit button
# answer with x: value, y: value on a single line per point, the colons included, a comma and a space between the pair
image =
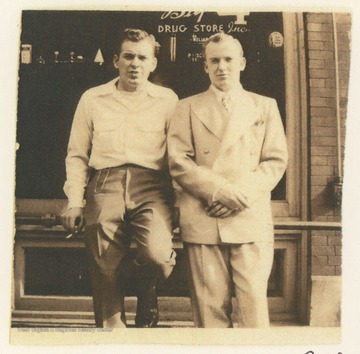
x: 206, y: 152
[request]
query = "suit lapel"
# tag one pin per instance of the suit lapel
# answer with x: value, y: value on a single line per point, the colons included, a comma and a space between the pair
x: 244, y: 114
x: 209, y: 111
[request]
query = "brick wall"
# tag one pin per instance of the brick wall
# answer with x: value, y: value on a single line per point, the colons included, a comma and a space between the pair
x: 326, y: 245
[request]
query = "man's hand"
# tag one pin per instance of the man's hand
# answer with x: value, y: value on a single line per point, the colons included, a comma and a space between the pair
x: 73, y: 220
x: 228, y: 199
x: 218, y: 210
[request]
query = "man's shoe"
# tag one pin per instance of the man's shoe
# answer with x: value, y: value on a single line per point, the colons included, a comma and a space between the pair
x: 147, y: 312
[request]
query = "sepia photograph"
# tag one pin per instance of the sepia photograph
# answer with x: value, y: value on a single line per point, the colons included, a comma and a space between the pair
x: 180, y: 170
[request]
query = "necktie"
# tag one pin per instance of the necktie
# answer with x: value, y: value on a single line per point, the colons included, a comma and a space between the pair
x: 226, y: 102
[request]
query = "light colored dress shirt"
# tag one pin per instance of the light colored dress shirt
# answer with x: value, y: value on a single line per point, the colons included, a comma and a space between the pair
x: 112, y: 128
x: 233, y: 93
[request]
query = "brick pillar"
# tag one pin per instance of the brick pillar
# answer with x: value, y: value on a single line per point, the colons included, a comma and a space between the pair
x: 326, y: 245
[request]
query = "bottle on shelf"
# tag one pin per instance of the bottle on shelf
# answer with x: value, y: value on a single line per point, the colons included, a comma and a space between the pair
x: 26, y: 51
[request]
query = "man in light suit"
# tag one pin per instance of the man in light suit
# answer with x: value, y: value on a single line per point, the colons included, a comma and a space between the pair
x: 227, y: 151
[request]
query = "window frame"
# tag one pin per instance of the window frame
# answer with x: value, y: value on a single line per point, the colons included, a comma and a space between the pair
x: 294, y: 207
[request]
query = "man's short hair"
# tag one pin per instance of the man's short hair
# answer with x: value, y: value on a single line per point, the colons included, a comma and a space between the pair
x: 219, y: 37
x: 137, y: 35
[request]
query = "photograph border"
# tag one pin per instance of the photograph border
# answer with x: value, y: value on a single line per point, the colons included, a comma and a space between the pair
x: 279, y: 340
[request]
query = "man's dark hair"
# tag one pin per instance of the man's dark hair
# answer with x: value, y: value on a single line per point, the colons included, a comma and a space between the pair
x: 137, y: 35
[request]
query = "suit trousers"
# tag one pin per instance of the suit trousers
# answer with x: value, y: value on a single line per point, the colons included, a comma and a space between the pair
x: 126, y: 203
x: 218, y: 271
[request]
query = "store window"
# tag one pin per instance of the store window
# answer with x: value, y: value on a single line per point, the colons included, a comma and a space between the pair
x: 64, y: 45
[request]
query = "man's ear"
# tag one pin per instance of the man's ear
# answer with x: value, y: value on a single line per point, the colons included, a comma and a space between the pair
x: 116, y: 61
x: 206, y: 67
x: 242, y: 64
x: 154, y: 64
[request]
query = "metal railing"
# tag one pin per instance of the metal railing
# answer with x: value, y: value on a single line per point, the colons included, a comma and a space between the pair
x: 50, y: 220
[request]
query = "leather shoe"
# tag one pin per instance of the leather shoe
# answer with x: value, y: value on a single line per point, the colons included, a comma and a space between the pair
x: 147, y: 312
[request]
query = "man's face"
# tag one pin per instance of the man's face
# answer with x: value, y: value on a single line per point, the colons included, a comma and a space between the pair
x: 135, y: 63
x: 223, y: 63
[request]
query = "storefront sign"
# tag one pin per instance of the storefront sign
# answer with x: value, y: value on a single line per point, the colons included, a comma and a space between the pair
x: 239, y: 25
x: 174, y: 15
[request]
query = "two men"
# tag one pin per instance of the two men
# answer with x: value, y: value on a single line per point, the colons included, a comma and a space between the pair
x: 227, y: 151
x: 117, y: 156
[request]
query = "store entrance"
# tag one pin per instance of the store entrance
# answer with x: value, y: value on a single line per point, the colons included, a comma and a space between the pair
x: 49, y: 89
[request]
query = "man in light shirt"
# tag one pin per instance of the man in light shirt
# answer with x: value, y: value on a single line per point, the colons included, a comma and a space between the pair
x: 117, y: 162
x: 227, y: 151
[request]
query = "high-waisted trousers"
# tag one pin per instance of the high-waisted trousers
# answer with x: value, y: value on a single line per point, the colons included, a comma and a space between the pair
x: 124, y: 204
x: 218, y: 271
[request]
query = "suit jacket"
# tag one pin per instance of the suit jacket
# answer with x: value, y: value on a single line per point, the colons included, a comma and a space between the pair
x: 249, y: 157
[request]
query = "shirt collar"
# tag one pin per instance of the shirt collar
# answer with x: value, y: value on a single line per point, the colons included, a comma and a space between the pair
x: 233, y: 93
x: 110, y: 87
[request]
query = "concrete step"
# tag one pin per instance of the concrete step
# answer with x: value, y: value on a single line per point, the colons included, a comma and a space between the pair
x: 174, y: 312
